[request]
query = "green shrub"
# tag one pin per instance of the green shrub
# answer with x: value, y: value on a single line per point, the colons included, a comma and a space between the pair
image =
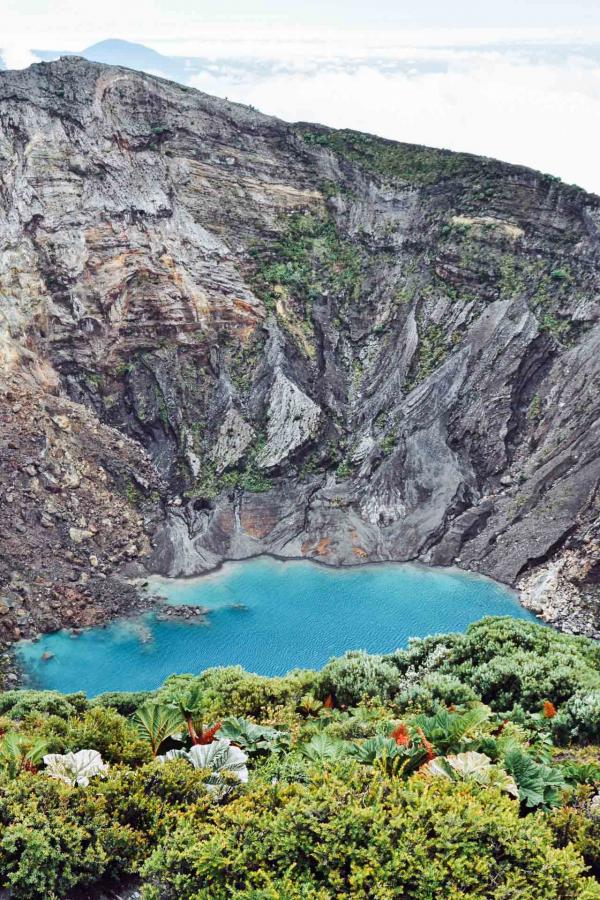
x: 55, y: 838
x: 580, y: 828
x: 233, y: 691
x: 114, y: 737
x: 19, y: 704
x: 579, y: 719
x: 426, y: 654
x: 434, y: 690
x: 509, y: 662
x: 345, y: 836
x: 125, y: 702
x: 357, y: 675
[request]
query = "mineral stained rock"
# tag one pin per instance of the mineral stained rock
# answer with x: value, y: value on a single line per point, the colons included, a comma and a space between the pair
x: 222, y: 334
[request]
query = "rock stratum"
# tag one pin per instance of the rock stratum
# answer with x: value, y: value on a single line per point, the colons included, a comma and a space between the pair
x: 222, y: 335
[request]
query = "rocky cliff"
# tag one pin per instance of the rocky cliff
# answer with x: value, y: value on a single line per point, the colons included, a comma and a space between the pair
x: 221, y: 334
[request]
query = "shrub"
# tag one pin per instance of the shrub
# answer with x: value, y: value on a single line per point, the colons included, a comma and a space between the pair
x: 347, y: 837
x: 231, y: 690
x: 55, y: 838
x: 114, y: 737
x: 502, y: 636
x: 124, y: 702
x: 357, y: 675
x: 19, y: 704
x: 579, y: 719
x: 435, y: 690
x: 509, y: 662
x: 579, y: 827
x: 427, y: 654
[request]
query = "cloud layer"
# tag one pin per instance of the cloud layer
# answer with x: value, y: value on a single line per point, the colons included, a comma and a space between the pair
x: 537, y: 113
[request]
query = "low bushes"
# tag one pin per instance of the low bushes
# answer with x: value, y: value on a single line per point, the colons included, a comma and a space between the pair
x: 463, y: 766
x: 349, y: 835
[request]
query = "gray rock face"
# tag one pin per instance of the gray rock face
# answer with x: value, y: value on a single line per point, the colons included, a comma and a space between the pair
x: 292, y: 421
x: 233, y: 438
x: 329, y: 345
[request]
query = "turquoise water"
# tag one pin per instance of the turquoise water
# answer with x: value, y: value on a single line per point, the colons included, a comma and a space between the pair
x: 269, y: 617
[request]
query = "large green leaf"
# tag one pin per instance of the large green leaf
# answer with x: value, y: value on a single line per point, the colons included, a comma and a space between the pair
x: 16, y: 750
x: 322, y: 747
x: 471, y: 766
x: 156, y: 722
x: 254, y: 738
x: 219, y: 757
x: 453, y: 732
x: 539, y: 785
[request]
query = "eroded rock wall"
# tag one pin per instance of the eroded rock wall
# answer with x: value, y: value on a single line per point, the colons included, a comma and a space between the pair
x: 314, y: 343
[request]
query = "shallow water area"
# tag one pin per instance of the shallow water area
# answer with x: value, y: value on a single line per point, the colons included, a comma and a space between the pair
x: 268, y: 616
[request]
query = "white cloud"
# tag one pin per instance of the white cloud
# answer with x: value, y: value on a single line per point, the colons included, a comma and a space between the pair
x: 17, y: 57
x: 537, y: 114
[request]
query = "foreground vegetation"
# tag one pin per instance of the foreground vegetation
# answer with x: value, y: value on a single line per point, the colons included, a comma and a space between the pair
x: 465, y: 766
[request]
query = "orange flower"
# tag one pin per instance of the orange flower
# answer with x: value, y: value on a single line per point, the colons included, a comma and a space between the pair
x: 208, y: 736
x: 328, y: 702
x: 401, y: 735
x: 426, y: 745
x: 549, y: 710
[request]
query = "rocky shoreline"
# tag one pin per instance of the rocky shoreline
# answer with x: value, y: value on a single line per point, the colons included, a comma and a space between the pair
x: 557, y: 592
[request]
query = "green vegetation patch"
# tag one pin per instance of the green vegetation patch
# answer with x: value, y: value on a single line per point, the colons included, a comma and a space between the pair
x: 433, y: 349
x: 466, y: 765
x: 309, y: 259
x: 404, y: 162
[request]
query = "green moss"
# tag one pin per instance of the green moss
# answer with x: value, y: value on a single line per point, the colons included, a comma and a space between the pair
x: 404, y: 162
x: 560, y: 328
x: 561, y: 275
x: 255, y: 481
x: 389, y: 443
x: 432, y: 351
x: 133, y: 494
x: 206, y: 485
x: 344, y: 469
x: 534, y: 413
x: 161, y: 403
x: 308, y: 260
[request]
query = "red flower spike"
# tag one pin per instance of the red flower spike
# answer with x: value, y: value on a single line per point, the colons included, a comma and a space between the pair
x: 549, y: 709
x: 401, y: 735
x: 328, y: 702
x: 427, y: 746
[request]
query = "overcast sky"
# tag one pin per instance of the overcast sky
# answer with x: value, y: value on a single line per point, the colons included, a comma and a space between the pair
x: 514, y: 79
x: 64, y: 20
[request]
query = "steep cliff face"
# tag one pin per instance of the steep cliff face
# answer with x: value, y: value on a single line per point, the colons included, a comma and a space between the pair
x: 319, y: 343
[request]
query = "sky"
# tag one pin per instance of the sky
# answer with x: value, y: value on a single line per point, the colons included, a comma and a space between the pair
x: 515, y: 79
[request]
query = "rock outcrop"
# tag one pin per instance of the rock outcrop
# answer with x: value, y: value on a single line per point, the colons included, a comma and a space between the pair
x: 246, y: 336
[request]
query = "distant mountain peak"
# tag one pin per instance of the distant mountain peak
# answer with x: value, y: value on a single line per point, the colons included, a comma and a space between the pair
x: 115, y: 51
